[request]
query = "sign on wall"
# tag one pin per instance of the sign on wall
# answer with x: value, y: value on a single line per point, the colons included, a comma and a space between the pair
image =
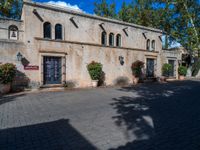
x: 29, y: 67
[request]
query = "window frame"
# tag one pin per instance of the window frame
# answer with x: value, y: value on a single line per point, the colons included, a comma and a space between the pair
x: 153, y: 45
x: 111, y: 40
x: 58, y: 36
x: 148, y: 44
x: 45, y: 27
x: 118, y: 40
x: 104, y: 38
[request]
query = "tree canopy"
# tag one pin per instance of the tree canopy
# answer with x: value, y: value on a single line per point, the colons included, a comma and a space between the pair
x: 10, y: 8
x: 180, y: 19
x: 104, y: 9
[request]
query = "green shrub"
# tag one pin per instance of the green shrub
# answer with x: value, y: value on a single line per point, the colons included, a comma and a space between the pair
x: 7, y: 73
x: 95, y: 70
x: 166, y: 69
x: 137, y: 68
x: 182, y: 70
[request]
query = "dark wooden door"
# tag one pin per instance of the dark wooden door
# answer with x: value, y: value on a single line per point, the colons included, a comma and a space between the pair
x: 52, y: 70
x: 150, y: 67
x: 171, y: 73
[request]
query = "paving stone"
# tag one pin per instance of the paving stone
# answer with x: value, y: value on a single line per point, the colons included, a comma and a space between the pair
x: 144, y: 117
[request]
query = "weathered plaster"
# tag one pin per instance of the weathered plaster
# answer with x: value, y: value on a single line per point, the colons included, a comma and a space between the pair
x: 79, y: 46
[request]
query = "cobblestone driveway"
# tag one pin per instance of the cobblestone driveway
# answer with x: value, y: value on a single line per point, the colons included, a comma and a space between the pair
x: 146, y: 117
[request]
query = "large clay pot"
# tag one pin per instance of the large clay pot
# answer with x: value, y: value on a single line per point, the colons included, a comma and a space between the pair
x: 135, y: 80
x: 5, y: 88
x: 95, y: 83
x: 181, y: 77
x: 162, y: 79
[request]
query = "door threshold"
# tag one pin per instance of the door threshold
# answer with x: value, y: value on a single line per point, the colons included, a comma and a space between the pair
x: 51, y: 85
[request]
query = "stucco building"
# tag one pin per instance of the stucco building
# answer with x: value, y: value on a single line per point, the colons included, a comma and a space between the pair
x: 56, y: 44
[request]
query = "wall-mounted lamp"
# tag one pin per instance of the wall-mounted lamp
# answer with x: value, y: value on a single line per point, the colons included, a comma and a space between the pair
x: 121, y: 60
x: 19, y: 56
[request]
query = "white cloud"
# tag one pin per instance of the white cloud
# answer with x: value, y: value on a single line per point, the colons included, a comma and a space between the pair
x: 65, y: 5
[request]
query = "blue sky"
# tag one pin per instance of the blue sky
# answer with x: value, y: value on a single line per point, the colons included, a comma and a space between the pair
x: 84, y: 5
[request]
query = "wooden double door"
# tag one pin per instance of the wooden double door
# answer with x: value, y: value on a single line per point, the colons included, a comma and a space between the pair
x: 150, y: 68
x: 172, y: 72
x: 52, y: 70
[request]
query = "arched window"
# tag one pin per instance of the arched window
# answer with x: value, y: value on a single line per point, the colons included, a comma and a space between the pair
x: 111, y: 39
x: 104, y: 38
x: 13, y: 32
x: 47, y: 30
x: 153, y: 45
x: 118, y: 40
x: 148, y: 44
x: 58, y: 32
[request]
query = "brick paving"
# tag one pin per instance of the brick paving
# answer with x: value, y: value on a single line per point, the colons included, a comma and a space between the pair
x: 146, y: 117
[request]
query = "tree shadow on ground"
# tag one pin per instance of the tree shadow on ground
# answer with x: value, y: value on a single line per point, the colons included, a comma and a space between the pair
x: 56, y: 135
x: 9, y: 98
x: 160, y: 116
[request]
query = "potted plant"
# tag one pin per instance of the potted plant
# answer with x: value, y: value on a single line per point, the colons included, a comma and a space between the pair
x: 95, y: 71
x: 137, y: 70
x: 182, y: 71
x: 166, y: 69
x: 7, y: 74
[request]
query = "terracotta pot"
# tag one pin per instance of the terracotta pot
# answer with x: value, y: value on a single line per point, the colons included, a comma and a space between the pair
x: 135, y: 80
x: 95, y: 83
x: 162, y: 79
x: 5, y: 88
x: 181, y: 77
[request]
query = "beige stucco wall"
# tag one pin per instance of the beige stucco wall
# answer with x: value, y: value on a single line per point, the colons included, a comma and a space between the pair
x: 79, y: 46
x: 4, y: 25
x: 10, y: 48
x: 78, y: 56
x: 88, y: 29
x: 175, y: 55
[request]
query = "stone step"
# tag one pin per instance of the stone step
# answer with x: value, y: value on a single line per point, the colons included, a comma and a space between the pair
x: 152, y: 79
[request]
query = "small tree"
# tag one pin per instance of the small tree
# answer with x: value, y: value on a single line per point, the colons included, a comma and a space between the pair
x: 7, y: 73
x: 95, y: 70
x: 196, y: 67
x: 166, y: 69
x: 137, y: 68
x: 182, y: 70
